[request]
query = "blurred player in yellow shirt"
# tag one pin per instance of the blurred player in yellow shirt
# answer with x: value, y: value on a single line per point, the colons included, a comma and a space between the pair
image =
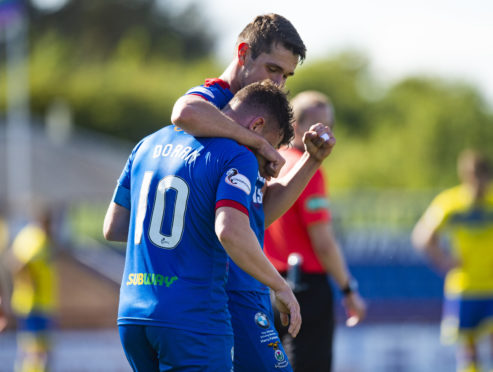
x: 465, y: 214
x: 33, y: 293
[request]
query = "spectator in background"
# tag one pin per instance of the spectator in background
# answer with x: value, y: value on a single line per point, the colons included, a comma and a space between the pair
x: 465, y: 214
x: 306, y: 232
x: 34, y: 296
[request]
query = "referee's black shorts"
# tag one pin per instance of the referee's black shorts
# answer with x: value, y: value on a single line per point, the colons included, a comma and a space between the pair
x: 311, y: 350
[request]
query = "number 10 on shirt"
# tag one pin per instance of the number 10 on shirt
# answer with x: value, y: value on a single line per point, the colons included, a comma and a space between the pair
x: 159, y: 239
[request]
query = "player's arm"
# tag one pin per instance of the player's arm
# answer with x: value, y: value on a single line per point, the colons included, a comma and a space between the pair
x: 116, y: 221
x: 4, y: 297
x: 238, y: 239
x: 425, y: 238
x: 282, y: 192
x: 202, y: 119
x: 330, y: 256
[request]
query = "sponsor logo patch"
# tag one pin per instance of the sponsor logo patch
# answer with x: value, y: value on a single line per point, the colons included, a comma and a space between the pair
x: 317, y: 203
x: 238, y: 180
x: 150, y: 279
x: 262, y: 321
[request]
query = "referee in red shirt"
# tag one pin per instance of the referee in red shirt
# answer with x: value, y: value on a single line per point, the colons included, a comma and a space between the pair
x: 303, y: 237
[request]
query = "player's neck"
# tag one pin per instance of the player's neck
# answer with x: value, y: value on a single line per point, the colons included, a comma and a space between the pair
x: 228, y: 76
x: 298, y: 145
x: 478, y: 191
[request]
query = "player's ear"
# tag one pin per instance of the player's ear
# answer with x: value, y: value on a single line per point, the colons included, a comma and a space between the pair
x: 257, y: 124
x: 299, y: 129
x: 242, y: 52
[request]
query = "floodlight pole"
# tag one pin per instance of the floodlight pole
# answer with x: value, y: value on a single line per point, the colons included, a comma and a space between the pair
x: 18, y: 118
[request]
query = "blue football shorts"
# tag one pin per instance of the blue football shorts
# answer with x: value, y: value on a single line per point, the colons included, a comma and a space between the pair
x: 34, y: 333
x: 257, y: 346
x: 35, y: 322
x: 154, y: 348
x: 464, y: 316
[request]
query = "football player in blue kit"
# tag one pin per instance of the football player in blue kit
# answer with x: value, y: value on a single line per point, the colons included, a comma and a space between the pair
x: 179, y: 201
x: 267, y: 48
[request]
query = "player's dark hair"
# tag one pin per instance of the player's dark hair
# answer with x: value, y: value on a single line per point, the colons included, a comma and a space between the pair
x: 270, y: 29
x: 475, y: 162
x: 268, y: 99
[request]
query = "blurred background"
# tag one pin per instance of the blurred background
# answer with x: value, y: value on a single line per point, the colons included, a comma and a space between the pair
x: 81, y: 81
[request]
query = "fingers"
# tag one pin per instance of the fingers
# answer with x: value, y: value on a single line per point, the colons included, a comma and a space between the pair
x: 295, y: 321
x: 352, y: 320
x: 289, y: 309
x: 270, y: 161
x: 320, y: 135
x: 265, y: 172
x: 284, y: 319
x: 269, y: 170
x: 273, y: 169
x: 355, y: 309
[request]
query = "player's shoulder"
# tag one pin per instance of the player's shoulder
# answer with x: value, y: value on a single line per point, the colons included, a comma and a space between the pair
x: 489, y: 194
x: 29, y: 239
x: 216, y: 91
x: 451, y: 198
x: 209, y: 86
x: 166, y: 133
x: 31, y: 231
x: 229, y: 154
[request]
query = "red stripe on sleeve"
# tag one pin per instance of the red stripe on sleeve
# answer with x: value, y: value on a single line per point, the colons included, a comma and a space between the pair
x: 232, y: 204
x: 220, y: 82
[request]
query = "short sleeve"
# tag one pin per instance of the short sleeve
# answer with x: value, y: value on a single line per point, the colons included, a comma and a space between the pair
x: 121, y: 196
x: 201, y: 91
x: 29, y: 244
x: 237, y: 182
x: 215, y: 91
x: 435, y: 216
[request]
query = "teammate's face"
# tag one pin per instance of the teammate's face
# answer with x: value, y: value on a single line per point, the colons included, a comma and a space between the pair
x: 277, y: 66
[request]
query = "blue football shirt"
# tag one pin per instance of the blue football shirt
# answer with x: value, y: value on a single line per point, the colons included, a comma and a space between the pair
x: 176, y: 269
x: 217, y: 92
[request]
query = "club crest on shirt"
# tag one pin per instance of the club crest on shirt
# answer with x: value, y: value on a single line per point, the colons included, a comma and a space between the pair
x: 278, y: 355
x: 238, y: 180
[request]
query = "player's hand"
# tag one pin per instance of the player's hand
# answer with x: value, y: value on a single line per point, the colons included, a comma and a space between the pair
x: 3, y: 316
x: 319, y: 141
x: 289, y: 309
x: 270, y: 161
x: 355, y: 308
